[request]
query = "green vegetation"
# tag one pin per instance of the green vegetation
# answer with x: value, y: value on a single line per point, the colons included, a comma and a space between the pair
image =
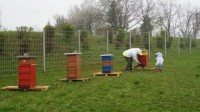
x: 49, y: 34
x: 175, y: 89
x: 84, y: 34
x: 121, y: 34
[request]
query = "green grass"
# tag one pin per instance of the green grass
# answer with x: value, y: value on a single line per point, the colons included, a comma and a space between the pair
x: 176, y: 89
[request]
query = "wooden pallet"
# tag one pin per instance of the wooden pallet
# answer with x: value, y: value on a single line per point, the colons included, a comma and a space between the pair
x: 107, y: 74
x: 144, y: 68
x: 39, y: 88
x: 74, y: 80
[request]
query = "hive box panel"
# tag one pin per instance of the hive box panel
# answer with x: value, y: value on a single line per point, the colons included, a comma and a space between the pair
x: 25, y: 84
x: 143, y: 60
x: 26, y: 61
x: 73, y: 57
x: 27, y: 76
x: 144, y: 52
x: 74, y: 75
x: 73, y: 63
x: 24, y: 68
x: 106, y: 58
x: 106, y: 63
x: 107, y: 69
x: 24, y: 76
x: 71, y: 69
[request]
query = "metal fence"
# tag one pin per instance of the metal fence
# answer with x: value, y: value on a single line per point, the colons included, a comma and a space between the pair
x: 49, y: 48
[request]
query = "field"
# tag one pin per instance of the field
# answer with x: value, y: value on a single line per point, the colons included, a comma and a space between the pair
x: 176, y: 89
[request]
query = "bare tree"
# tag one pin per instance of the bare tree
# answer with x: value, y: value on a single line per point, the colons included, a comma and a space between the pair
x: 92, y: 16
x: 124, y: 13
x: 186, y: 19
x: 196, y: 23
x: 148, y: 9
x: 74, y: 17
x: 168, y: 11
x: 131, y: 13
x: 0, y: 18
x: 87, y: 17
x: 60, y: 20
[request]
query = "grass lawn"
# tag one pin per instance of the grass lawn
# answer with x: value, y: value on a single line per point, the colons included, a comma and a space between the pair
x: 176, y: 89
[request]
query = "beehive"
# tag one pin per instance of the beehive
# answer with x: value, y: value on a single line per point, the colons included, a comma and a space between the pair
x: 107, y: 66
x: 73, y: 65
x: 26, y: 71
x: 143, y: 58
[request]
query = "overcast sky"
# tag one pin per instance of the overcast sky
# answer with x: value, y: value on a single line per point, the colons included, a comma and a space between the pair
x: 36, y: 13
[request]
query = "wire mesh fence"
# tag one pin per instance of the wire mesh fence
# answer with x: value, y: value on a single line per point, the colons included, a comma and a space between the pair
x: 49, y: 48
x: 14, y: 44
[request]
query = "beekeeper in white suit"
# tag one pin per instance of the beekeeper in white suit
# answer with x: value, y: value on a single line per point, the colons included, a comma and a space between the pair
x: 130, y: 55
x: 159, y: 61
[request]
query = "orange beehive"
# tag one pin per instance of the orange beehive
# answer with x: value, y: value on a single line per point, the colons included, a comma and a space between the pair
x: 73, y: 65
x: 26, y: 71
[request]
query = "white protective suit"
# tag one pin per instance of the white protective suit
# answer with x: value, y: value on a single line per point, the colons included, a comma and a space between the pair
x: 133, y: 52
x: 159, y: 58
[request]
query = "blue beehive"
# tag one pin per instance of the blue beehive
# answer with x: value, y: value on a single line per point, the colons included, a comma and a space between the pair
x: 107, y: 63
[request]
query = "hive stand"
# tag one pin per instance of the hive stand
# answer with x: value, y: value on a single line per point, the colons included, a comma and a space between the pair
x: 107, y: 74
x: 73, y: 68
x: 37, y: 88
x: 26, y: 75
x: 107, y: 66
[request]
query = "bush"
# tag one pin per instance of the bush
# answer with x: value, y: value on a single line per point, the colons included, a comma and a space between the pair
x: 23, y: 34
x: 169, y: 42
x: 146, y: 40
x: 160, y: 42
x: 121, y: 34
x: 2, y: 43
x: 49, y: 34
x: 83, y: 36
x: 194, y: 43
x: 68, y: 31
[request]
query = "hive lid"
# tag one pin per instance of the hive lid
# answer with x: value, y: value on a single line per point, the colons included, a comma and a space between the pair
x: 71, y: 53
x: 106, y: 55
x: 26, y: 57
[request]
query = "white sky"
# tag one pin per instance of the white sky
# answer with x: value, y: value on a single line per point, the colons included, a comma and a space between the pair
x: 33, y: 13
x: 36, y: 13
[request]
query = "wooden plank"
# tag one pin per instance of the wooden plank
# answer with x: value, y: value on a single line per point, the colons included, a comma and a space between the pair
x: 107, y: 74
x: 144, y: 68
x: 40, y: 88
x: 73, y: 80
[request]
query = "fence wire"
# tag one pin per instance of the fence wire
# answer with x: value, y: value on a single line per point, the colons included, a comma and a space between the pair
x: 49, y: 48
x: 14, y: 44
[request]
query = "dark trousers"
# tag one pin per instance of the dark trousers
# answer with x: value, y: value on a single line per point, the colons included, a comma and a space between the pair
x: 129, y: 61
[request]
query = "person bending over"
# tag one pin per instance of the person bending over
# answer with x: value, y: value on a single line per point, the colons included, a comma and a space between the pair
x: 130, y: 55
